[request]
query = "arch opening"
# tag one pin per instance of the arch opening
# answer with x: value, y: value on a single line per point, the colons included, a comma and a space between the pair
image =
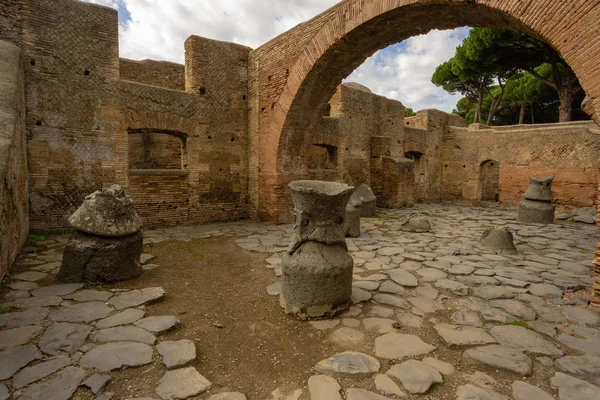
x: 489, y: 182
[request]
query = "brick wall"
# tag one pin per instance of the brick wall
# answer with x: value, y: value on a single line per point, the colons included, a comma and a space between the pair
x: 157, y: 73
x: 14, y: 199
x: 568, y: 151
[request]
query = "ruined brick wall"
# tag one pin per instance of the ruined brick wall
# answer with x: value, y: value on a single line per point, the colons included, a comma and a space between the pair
x: 14, y: 199
x: 71, y: 66
x: 157, y: 73
x: 399, y: 181
x: 569, y: 151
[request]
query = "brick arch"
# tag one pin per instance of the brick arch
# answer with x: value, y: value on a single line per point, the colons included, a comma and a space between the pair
x: 328, y: 48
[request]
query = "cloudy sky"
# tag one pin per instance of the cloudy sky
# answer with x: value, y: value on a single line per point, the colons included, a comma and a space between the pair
x: 157, y: 29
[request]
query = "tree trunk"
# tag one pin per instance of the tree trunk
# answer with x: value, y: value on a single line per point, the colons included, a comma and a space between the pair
x: 477, y: 118
x: 522, y: 114
x: 566, y: 95
x: 531, y: 109
x: 495, y: 103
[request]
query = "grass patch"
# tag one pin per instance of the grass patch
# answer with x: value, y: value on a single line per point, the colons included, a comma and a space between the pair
x: 4, y: 310
x: 522, y: 324
x: 36, y: 236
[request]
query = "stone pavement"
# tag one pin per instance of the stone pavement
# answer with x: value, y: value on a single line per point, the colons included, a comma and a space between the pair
x: 509, y: 314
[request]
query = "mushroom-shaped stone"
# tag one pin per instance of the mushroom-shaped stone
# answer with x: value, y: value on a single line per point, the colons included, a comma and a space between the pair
x: 539, y: 189
x: 367, y: 199
x: 108, y: 212
x: 498, y: 238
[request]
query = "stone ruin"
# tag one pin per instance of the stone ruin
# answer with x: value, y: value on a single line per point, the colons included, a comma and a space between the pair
x: 500, y: 239
x: 536, y: 206
x: 353, y: 210
x: 418, y: 223
x: 317, y: 268
x: 107, y: 242
x: 364, y: 195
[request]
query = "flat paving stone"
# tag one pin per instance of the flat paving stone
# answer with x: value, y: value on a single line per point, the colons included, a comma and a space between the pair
x: 502, y: 357
x: 64, y: 337
x: 57, y: 290
x: 367, y: 285
x: 61, y: 387
x: 274, y: 289
x: 431, y: 274
x: 391, y: 300
x: 228, y: 396
x: 494, y: 292
x: 347, y: 336
x: 524, y: 391
x: 514, y: 307
x: 158, y: 324
x: 403, y: 278
x: 461, y: 269
x: 15, y: 358
x: 363, y: 394
x: 416, y: 377
x: 18, y: 336
x: 127, y: 316
x: 31, y: 316
x: 472, y: 392
x: 97, y: 383
x: 22, y: 285
x: 136, y: 298
x: 4, y: 394
x: 571, y: 388
x: 426, y: 304
x: 177, y: 353
x: 545, y: 290
x: 34, y: 302
x: 30, y: 276
x: 125, y: 333
x: 349, y: 364
x: 443, y: 368
x: 386, y: 385
x: 82, y: 312
x: 453, y: 286
x: 118, y: 355
x: 397, y: 346
x: 379, y: 325
x: 360, y: 295
x: 455, y: 335
x: 582, y: 338
x: 584, y: 367
x: 323, y: 387
x: 467, y: 318
x: 41, y: 370
x: 525, y: 340
x: 89, y: 295
x: 325, y: 324
x: 582, y: 315
x: 182, y: 383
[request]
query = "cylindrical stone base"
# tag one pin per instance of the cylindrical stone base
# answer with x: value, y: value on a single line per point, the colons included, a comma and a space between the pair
x: 352, y: 221
x: 536, y: 212
x: 91, y: 258
x: 316, y: 281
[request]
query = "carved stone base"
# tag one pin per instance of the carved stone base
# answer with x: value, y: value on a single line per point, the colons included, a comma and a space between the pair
x: 536, y: 212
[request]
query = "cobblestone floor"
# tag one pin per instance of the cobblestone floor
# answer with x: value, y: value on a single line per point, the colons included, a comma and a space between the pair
x: 433, y: 302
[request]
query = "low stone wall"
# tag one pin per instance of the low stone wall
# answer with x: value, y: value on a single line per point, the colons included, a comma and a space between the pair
x: 14, y: 201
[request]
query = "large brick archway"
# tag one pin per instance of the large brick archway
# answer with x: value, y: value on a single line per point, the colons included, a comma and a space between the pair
x: 294, y: 75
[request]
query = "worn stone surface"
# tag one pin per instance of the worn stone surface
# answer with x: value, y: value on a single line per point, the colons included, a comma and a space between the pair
x: 455, y: 335
x: 118, y: 355
x: 362, y: 394
x: 403, y: 278
x: 443, y: 367
x: 177, y: 353
x: 471, y: 392
x: 158, y: 324
x: 525, y: 340
x: 125, y: 333
x: 397, y: 345
x: 386, y: 385
x: 34, y: 302
x: 347, y: 336
x: 582, y: 315
x: 4, y: 395
x: 97, y: 383
x: 182, y: 383
x: 127, y: 316
x: 364, y: 194
x: 108, y: 212
x: 64, y: 337
x: 349, y: 363
x: 18, y: 336
x: 60, y: 387
x: 81, y: 312
x: 585, y: 367
x: 14, y: 358
x: 416, y: 377
x: 228, y: 396
x: 525, y: 391
x: 135, y: 298
x: 571, y: 388
x: 502, y: 357
x: 89, y: 295
x: 41, y: 370
x: 323, y: 387
x: 28, y: 317
x: 90, y: 258
x: 57, y: 290
x: 416, y: 223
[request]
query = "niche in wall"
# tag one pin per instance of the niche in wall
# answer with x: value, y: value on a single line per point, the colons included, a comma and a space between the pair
x: 155, y: 149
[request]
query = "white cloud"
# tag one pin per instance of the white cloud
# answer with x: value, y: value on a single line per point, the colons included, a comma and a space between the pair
x: 157, y: 29
x: 403, y: 72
